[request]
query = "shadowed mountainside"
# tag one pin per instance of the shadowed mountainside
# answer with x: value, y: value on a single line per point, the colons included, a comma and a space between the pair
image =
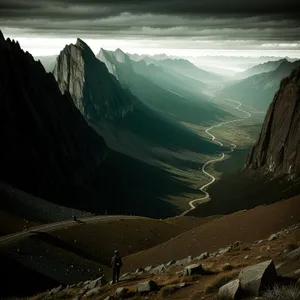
x: 45, y: 142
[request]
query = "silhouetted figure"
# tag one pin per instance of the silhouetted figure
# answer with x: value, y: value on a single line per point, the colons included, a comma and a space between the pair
x: 74, y: 218
x: 116, y: 264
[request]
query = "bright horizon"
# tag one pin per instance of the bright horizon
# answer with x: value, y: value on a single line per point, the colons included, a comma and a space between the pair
x: 47, y: 46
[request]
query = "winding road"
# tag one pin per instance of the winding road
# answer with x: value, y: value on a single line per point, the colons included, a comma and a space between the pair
x: 221, y: 157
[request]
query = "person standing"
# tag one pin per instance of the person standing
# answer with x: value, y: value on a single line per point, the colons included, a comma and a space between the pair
x: 116, y: 264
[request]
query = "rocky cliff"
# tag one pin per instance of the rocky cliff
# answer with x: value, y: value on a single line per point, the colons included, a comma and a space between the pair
x: 46, y: 144
x: 277, y: 150
x: 95, y: 92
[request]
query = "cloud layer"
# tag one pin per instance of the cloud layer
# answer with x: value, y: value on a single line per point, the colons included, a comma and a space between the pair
x: 196, y: 23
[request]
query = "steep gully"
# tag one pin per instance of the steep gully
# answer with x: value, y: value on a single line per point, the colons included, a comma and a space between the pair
x: 220, y: 158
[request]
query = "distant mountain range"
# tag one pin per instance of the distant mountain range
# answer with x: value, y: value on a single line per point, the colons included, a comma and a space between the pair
x: 261, y: 68
x: 257, y: 91
x: 163, y: 89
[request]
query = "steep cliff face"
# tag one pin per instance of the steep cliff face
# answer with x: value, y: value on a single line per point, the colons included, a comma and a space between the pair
x: 45, y: 143
x: 96, y: 93
x: 277, y: 150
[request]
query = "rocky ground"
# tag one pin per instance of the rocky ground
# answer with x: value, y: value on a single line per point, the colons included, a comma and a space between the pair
x: 237, y: 271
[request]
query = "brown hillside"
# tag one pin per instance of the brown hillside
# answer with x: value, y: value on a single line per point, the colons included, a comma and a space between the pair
x: 245, y: 226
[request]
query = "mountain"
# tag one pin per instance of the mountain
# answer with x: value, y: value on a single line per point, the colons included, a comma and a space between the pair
x: 46, y: 144
x: 111, y: 108
x: 170, y: 80
x: 49, y: 151
x: 96, y: 94
x: 161, y: 94
x: 261, y: 68
x: 187, y: 68
x: 277, y: 150
x: 257, y: 91
x: 271, y: 172
x: 47, y: 61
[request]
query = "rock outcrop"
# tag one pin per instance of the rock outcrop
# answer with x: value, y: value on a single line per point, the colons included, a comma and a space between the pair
x: 277, y: 150
x: 95, y: 92
x: 258, y: 278
x: 46, y: 144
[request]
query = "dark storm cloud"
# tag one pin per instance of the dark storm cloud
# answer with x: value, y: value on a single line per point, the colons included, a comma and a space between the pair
x: 263, y: 20
x: 31, y: 8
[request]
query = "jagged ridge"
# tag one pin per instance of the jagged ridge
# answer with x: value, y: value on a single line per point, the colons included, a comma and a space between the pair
x: 45, y: 142
x: 277, y: 149
x: 95, y: 92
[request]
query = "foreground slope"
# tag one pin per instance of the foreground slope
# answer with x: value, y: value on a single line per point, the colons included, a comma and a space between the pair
x: 244, y: 226
x: 45, y: 142
x: 74, y: 251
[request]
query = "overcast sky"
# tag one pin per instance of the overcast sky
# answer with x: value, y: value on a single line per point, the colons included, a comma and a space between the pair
x: 175, y: 27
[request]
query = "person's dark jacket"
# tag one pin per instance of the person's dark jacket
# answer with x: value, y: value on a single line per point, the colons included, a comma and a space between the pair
x: 116, y: 261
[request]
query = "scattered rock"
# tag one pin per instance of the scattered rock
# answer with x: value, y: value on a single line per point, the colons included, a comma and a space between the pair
x: 236, y: 244
x: 181, y: 285
x: 273, y: 237
x: 230, y: 291
x: 139, y: 270
x: 121, y: 292
x: 170, y: 263
x: 56, y: 290
x: 280, y: 265
x: 295, y: 254
x: 99, y: 282
x: 147, y: 269
x: 147, y: 286
x: 93, y: 292
x: 124, y: 276
x: 203, y: 256
x: 246, y: 257
x: 224, y: 250
x: 257, y: 278
x: 158, y: 269
x: 194, y: 269
x: 109, y: 298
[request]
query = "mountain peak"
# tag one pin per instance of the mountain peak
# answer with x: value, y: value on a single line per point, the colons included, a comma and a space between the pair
x: 2, y: 39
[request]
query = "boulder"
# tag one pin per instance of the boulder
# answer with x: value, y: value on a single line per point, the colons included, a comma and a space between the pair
x: 295, y: 254
x: 93, y: 292
x: 256, y: 279
x: 224, y: 250
x: 170, y: 263
x: 121, y: 292
x: 273, y: 237
x: 99, y: 282
x: 56, y: 290
x: 147, y: 286
x: 147, y: 269
x: 194, y: 269
x: 230, y: 291
x: 139, y: 270
x: 203, y: 256
x: 158, y: 269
